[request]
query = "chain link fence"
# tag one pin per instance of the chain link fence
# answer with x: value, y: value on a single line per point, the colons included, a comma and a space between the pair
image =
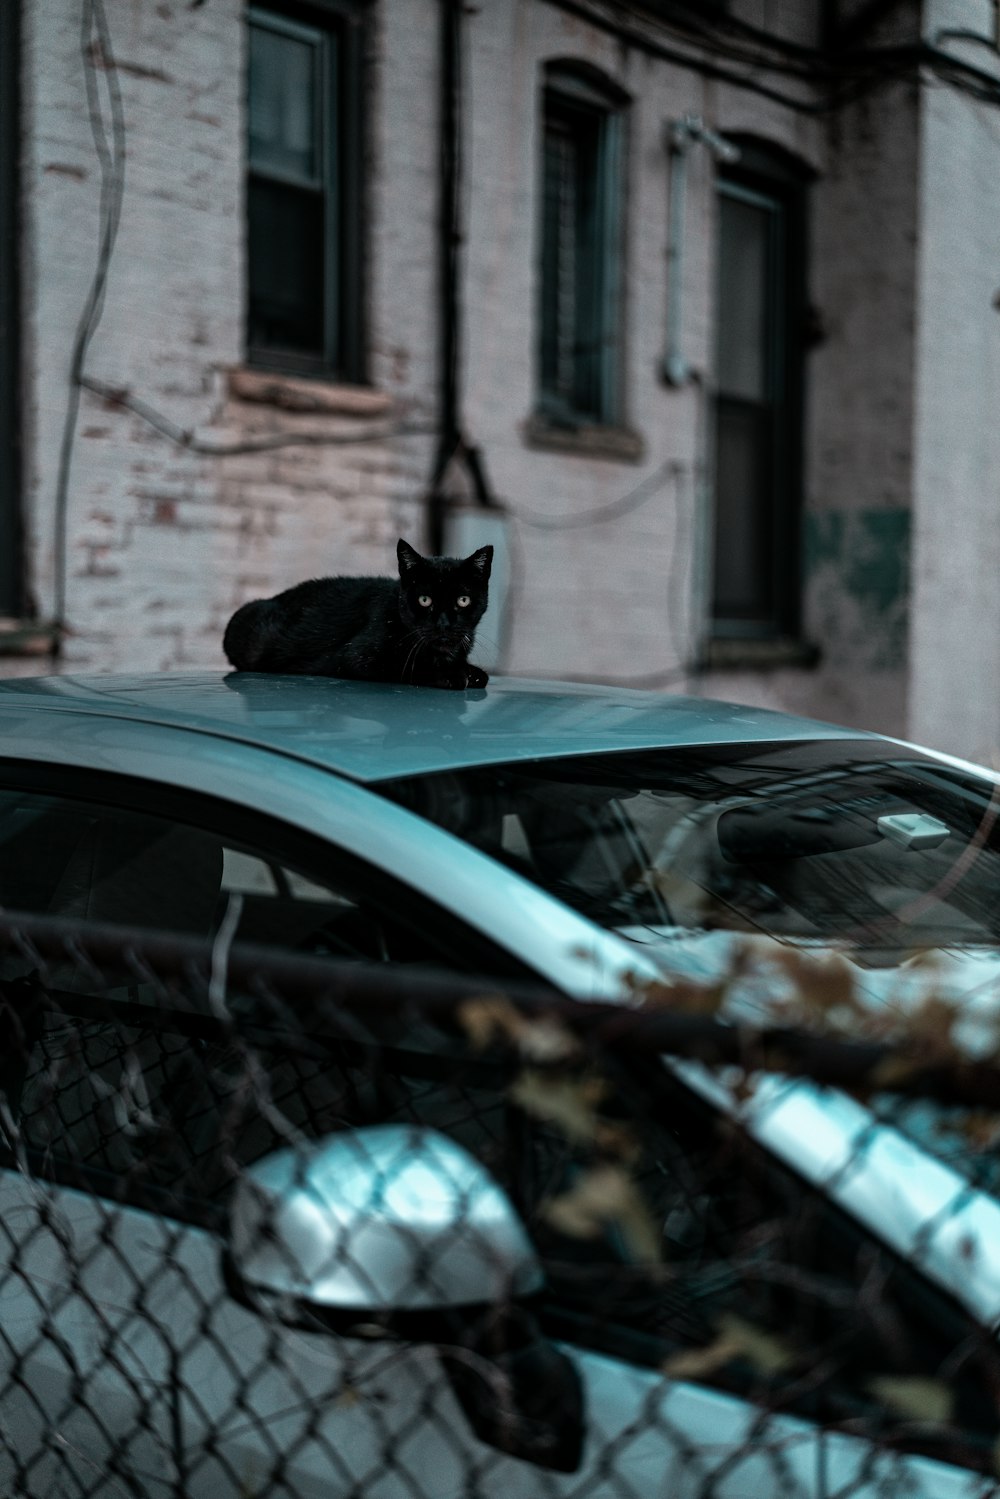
x: 282, y: 1227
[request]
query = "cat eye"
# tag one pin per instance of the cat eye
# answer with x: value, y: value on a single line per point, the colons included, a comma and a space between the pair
x: 464, y: 601
x: 425, y: 601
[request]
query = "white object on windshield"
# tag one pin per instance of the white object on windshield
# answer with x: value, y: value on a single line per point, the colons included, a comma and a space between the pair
x: 913, y: 829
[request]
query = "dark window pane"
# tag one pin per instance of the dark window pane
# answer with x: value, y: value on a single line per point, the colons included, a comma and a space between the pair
x: 743, y: 521
x: 577, y: 321
x: 303, y: 198
x: 745, y: 274
x: 286, y: 268
x: 10, y: 548
x: 755, y: 423
x: 558, y: 266
x: 284, y: 92
x: 591, y: 269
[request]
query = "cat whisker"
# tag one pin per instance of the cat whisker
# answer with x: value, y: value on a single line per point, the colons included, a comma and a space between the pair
x: 412, y: 654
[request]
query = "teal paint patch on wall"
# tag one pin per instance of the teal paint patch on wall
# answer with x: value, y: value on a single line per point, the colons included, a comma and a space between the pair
x: 865, y: 556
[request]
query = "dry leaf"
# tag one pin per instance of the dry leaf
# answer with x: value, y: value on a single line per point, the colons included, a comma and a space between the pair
x: 545, y: 1041
x: 571, y: 1103
x: 764, y: 1351
x: 606, y: 1197
x: 489, y: 1018
x: 917, y: 1399
x: 822, y: 983
x: 891, y: 1072
x: 492, y: 1018
x: 932, y: 1023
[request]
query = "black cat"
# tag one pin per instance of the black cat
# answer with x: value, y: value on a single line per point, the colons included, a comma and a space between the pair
x: 418, y: 628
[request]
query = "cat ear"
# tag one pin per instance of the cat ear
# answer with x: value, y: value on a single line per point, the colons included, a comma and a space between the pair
x: 482, y: 561
x: 406, y: 557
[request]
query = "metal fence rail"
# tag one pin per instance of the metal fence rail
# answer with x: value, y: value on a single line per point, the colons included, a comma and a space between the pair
x: 278, y: 1226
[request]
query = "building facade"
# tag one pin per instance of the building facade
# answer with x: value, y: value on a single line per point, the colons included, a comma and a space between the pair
x: 690, y: 308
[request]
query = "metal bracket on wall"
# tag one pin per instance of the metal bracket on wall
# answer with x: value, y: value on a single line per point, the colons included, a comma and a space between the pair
x: 680, y: 135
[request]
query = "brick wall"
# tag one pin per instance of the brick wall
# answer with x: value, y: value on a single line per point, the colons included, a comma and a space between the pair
x: 162, y: 543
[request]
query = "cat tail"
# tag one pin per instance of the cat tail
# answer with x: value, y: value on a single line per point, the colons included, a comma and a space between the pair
x: 248, y: 635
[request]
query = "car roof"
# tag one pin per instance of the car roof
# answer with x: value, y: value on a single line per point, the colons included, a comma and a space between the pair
x: 371, y: 731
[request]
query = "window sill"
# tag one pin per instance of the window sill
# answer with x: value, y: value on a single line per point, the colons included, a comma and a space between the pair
x: 296, y: 393
x: 27, y: 637
x: 759, y: 655
x: 586, y: 441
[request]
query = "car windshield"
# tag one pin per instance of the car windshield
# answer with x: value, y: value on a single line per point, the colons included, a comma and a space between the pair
x: 851, y: 842
x: 703, y: 854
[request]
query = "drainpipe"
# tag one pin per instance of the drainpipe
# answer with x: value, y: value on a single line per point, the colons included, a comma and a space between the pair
x: 452, y: 445
x: 681, y: 135
x: 677, y: 370
x: 456, y: 527
x: 449, y: 240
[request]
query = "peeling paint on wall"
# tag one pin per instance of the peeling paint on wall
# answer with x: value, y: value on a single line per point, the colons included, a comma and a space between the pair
x: 864, y: 555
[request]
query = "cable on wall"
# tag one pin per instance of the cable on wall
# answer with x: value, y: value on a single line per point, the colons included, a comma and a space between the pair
x: 98, y: 56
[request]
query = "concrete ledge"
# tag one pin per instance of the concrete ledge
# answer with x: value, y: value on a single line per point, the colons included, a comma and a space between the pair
x: 759, y: 655
x: 294, y: 393
x: 587, y: 441
x: 27, y: 637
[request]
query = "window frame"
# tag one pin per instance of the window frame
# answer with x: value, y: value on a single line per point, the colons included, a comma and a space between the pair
x: 12, y: 600
x: 284, y: 843
x: 766, y: 176
x: 571, y: 90
x: 343, y: 146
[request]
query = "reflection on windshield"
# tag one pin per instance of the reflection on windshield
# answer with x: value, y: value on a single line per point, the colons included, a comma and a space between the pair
x: 719, y: 860
x: 812, y: 843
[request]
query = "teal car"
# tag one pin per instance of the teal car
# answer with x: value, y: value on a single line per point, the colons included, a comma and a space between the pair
x: 581, y: 837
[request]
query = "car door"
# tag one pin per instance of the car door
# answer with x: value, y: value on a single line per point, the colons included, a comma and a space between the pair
x: 135, y: 1366
x: 131, y: 1363
x: 135, y: 1363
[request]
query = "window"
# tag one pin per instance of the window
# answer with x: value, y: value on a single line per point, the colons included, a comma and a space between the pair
x: 580, y: 251
x: 303, y: 198
x: 98, y: 856
x: 10, y: 535
x: 813, y: 843
x: 90, y: 859
x: 758, y: 405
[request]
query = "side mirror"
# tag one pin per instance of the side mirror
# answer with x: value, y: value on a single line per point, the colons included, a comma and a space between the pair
x: 396, y: 1219
x: 376, y: 1220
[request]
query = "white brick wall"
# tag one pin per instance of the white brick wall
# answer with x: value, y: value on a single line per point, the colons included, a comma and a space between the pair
x: 162, y: 543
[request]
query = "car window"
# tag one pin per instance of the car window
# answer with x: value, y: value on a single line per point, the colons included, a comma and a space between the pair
x: 105, y: 863
x: 810, y: 842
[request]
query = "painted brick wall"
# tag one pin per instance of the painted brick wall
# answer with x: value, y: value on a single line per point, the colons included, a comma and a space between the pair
x: 163, y: 543
x: 956, y: 618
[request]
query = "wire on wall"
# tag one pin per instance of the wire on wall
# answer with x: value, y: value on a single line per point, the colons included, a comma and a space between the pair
x: 98, y: 58
x: 107, y: 128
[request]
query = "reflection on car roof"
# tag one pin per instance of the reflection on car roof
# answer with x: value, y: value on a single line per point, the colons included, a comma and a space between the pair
x: 371, y: 731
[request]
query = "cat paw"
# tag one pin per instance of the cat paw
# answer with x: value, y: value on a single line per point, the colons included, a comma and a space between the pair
x: 461, y: 678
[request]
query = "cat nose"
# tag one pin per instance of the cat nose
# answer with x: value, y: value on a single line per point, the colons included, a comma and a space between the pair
x: 443, y: 621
